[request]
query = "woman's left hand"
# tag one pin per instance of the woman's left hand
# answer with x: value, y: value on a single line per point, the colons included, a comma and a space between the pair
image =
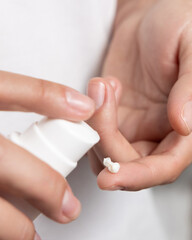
x: 143, y: 163
x: 151, y: 54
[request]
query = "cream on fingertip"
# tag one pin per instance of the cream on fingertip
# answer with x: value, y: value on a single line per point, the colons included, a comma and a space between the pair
x: 113, y: 167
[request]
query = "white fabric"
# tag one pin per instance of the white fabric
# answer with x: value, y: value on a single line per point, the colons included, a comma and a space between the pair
x: 65, y: 41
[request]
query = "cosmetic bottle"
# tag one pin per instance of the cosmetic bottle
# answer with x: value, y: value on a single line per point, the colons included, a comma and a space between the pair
x: 59, y: 143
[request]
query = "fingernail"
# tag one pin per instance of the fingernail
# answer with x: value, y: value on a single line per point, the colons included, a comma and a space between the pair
x: 187, y: 115
x: 114, y: 85
x: 115, y: 188
x: 96, y: 91
x: 37, y: 237
x: 70, y: 206
x: 78, y: 101
x: 112, y: 82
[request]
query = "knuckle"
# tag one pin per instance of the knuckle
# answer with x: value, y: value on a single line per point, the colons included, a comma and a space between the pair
x: 43, y: 91
x: 48, y: 91
x: 57, y: 183
x: 55, y: 186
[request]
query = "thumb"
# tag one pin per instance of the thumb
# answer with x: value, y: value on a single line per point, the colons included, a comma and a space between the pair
x: 180, y: 106
x: 180, y: 98
x: 104, y: 121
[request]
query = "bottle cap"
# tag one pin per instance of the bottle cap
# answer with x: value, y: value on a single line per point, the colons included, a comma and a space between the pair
x: 59, y: 143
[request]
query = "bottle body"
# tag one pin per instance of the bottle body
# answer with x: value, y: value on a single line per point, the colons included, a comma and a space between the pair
x: 58, y: 143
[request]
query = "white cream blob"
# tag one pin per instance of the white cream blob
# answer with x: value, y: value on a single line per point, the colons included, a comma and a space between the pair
x: 113, y: 167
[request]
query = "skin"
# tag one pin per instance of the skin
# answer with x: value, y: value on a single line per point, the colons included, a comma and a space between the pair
x: 21, y: 173
x: 148, y: 131
x: 150, y: 57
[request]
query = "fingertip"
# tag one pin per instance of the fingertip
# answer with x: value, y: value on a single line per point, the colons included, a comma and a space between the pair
x: 186, y: 116
x: 96, y: 91
x: 108, y: 181
x: 71, y: 207
x: 117, y: 86
x: 178, y: 118
x: 102, y: 90
x: 78, y: 107
x: 132, y: 176
x: 90, y: 110
x: 179, y: 106
x: 106, y: 112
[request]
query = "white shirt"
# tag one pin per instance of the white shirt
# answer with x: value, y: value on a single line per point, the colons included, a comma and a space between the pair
x: 65, y: 41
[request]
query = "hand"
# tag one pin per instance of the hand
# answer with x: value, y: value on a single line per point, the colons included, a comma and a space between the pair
x: 150, y: 53
x: 21, y: 173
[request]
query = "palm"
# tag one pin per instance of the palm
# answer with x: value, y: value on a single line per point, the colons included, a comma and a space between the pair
x: 143, y: 55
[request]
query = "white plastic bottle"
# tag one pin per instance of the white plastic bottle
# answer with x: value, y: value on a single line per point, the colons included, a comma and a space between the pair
x: 59, y: 143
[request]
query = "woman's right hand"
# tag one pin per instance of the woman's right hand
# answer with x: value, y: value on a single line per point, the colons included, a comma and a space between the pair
x: 21, y: 173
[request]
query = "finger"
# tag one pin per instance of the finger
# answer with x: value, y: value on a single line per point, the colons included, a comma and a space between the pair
x: 173, y: 156
x: 25, y: 176
x: 144, y: 148
x: 180, y: 99
x: 117, y: 87
x: 95, y: 158
x: 14, y: 225
x: 104, y: 121
x: 95, y: 162
x: 22, y: 93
